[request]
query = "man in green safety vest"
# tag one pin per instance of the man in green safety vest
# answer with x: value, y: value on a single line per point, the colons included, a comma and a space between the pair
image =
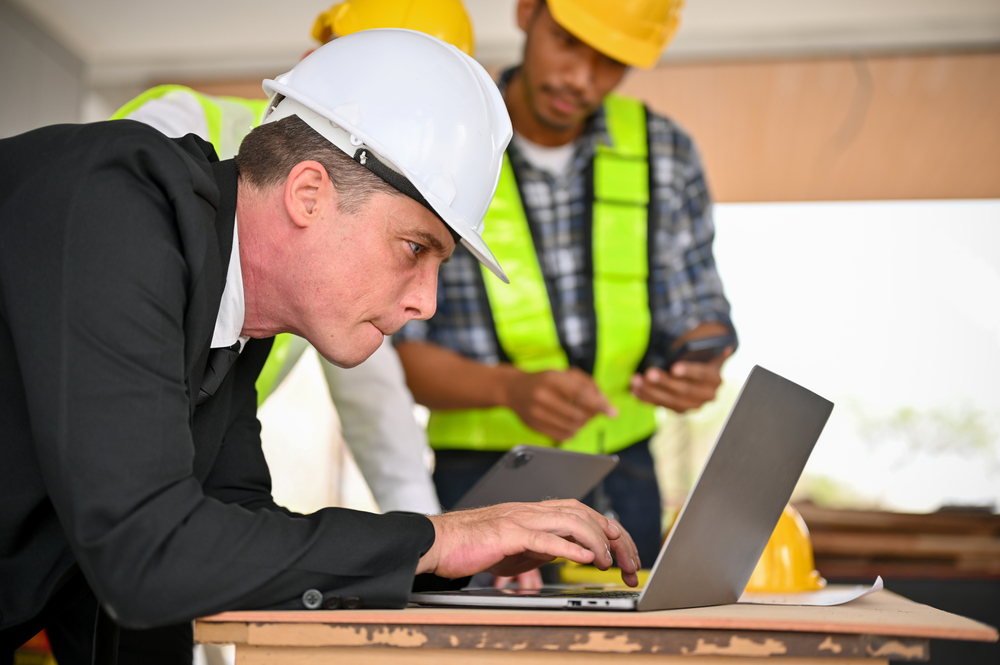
x: 603, y: 220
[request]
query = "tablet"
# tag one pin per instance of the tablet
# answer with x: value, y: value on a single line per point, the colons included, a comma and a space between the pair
x: 535, y: 473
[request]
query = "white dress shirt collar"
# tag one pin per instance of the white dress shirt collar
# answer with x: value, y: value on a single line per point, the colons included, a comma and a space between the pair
x: 232, y: 309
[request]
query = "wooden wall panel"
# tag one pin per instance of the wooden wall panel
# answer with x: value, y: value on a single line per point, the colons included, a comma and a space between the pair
x: 905, y: 127
x: 864, y: 128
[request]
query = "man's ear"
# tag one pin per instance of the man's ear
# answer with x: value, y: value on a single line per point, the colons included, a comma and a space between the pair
x: 525, y: 13
x: 308, y: 194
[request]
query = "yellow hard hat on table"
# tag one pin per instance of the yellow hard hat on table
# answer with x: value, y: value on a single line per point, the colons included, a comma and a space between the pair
x: 786, y: 566
x: 633, y: 32
x: 445, y: 19
x: 787, y: 563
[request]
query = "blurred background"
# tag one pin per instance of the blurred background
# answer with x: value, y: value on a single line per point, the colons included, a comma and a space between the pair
x: 853, y: 150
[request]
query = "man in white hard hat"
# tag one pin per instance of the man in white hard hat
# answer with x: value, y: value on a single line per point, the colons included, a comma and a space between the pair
x: 141, y: 283
x: 374, y: 406
x: 604, y: 220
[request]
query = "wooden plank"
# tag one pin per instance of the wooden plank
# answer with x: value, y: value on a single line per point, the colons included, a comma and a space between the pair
x: 210, y: 632
x: 909, y: 126
x: 907, y: 545
x: 865, y: 568
x: 881, y: 613
x: 832, y: 129
x: 824, y: 519
x: 324, y: 655
x: 589, y: 639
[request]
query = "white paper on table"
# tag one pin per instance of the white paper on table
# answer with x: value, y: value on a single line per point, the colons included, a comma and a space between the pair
x: 834, y: 595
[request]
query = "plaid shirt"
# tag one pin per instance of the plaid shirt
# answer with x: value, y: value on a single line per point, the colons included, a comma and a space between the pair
x: 685, y: 286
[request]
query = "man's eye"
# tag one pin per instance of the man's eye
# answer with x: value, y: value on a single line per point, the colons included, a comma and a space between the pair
x: 415, y: 247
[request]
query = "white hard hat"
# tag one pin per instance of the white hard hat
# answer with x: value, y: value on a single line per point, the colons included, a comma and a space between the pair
x: 417, y: 105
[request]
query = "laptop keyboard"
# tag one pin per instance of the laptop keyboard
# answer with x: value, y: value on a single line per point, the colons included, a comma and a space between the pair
x: 603, y: 594
x: 557, y: 592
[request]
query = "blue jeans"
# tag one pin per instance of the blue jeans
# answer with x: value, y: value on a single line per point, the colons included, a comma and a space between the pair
x: 631, y: 490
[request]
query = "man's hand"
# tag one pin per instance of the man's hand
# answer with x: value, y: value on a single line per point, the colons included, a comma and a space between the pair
x: 511, y: 538
x: 687, y: 385
x: 555, y: 403
x: 531, y: 579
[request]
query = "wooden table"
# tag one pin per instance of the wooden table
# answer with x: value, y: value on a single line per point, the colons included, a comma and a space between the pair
x: 874, y: 629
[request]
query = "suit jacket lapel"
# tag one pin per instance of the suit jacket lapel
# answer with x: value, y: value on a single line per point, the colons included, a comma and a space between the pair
x: 225, y: 216
x: 216, y: 264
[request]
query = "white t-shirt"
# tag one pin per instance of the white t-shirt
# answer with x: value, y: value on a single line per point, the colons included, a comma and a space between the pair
x: 556, y: 160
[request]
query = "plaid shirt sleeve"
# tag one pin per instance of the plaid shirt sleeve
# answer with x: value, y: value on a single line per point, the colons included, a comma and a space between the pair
x: 686, y: 289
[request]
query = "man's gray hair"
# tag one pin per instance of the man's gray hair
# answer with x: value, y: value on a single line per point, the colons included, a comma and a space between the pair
x: 269, y: 153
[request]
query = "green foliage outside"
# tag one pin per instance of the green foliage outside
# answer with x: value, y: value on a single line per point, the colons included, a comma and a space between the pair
x: 683, y: 442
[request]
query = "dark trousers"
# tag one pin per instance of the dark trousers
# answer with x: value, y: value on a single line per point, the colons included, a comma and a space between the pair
x: 70, y: 619
x: 630, y: 491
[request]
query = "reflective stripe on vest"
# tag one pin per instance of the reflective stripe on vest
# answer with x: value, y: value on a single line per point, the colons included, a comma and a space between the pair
x: 227, y: 119
x: 522, y: 312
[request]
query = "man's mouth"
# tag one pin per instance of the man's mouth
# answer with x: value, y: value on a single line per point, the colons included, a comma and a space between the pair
x: 564, y: 102
x: 385, y: 329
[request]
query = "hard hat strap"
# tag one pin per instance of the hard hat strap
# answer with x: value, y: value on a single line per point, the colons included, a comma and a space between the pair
x: 351, y: 146
x: 366, y: 158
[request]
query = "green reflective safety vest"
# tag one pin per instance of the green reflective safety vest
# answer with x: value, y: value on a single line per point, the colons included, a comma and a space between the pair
x: 228, y: 120
x: 522, y: 313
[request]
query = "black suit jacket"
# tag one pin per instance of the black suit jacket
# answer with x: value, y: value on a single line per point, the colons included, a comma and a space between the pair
x: 114, y: 244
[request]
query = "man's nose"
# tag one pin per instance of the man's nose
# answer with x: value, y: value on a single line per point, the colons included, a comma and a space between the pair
x: 582, y: 73
x: 421, y: 299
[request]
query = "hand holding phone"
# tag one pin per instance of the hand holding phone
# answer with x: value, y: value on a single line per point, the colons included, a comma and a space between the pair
x: 693, y: 387
x: 701, y: 349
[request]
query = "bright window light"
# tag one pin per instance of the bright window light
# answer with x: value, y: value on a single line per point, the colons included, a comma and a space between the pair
x: 891, y: 310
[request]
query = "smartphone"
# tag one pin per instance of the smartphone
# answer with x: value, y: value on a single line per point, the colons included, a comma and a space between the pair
x: 702, y: 349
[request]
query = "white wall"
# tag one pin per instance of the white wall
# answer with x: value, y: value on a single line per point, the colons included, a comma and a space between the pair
x: 42, y: 81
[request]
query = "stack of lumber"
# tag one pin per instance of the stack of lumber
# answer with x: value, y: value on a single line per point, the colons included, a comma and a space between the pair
x: 859, y: 544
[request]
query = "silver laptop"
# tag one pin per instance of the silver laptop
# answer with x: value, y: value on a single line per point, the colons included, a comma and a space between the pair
x: 726, y: 521
x: 534, y: 473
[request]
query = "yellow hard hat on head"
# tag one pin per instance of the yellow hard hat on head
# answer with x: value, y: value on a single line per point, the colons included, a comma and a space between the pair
x: 787, y: 563
x: 445, y: 19
x: 633, y: 32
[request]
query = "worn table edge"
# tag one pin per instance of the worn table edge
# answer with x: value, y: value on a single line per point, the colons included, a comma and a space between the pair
x: 969, y: 630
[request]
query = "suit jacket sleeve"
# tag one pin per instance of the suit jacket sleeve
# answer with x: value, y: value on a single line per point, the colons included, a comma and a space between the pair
x: 108, y: 249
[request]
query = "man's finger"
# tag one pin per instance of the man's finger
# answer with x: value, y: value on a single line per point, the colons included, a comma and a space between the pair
x: 660, y: 395
x: 702, y: 371
x: 563, y: 409
x: 554, y: 423
x: 531, y: 579
x: 564, y: 402
x: 667, y: 399
x: 558, y: 546
x: 625, y: 551
x: 579, y: 388
x: 615, y: 538
x: 570, y: 520
x: 592, y: 399
x: 693, y: 378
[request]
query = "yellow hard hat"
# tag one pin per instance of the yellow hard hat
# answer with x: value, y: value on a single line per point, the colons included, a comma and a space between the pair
x: 787, y: 563
x: 571, y: 572
x: 634, y: 33
x: 445, y: 19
